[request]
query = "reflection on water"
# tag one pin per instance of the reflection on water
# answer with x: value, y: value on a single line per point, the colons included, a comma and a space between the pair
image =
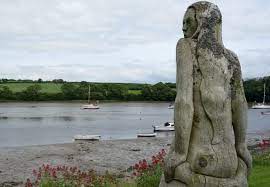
x: 49, y: 123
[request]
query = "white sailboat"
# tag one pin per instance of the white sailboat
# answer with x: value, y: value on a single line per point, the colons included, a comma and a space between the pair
x: 261, y: 105
x: 90, y: 105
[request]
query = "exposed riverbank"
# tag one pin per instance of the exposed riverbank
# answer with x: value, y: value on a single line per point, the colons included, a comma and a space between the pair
x: 115, y: 156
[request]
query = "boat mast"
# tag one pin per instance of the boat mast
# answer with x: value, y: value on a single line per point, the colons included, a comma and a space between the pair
x: 264, y: 94
x: 89, y: 89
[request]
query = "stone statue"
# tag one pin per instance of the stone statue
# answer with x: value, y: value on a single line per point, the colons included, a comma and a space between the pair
x: 210, y: 115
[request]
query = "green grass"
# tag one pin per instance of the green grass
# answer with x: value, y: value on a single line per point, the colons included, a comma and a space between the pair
x: 260, y: 177
x: 46, y: 87
x: 135, y: 92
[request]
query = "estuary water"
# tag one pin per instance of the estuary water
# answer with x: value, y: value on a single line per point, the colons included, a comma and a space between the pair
x: 24, y: 124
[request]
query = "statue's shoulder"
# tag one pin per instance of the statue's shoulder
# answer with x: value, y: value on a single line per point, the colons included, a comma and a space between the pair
x: 234, y: 64
x: 231, y: 56
x: 183, y: 42
x: 233, y: 59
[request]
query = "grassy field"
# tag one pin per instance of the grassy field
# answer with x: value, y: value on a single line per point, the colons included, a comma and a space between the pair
x: 46, y: 87
x: 135, y: 92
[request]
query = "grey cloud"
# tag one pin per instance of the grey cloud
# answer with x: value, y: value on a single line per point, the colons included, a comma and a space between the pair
x: 118, y: 40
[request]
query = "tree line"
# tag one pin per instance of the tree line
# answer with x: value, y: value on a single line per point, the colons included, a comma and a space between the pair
x: 115, y: 91
x: 99, y: 91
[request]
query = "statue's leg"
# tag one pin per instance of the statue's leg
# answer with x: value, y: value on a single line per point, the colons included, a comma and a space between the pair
x: 183, y: 173
x: 173, y: 183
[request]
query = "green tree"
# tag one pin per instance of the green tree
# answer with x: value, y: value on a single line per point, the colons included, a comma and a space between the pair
x: 147, y: 92
x: 82, y: 90
x: 162, y: 92
x: 117, y: 92
x: 69, y: 91
x: 6, y: 93
x: 32, y: 93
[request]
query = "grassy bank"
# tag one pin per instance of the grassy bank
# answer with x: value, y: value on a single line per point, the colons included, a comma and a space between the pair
x: 260, y: 176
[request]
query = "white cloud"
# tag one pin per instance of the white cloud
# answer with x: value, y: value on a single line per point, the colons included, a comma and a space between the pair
x: 118, y: 40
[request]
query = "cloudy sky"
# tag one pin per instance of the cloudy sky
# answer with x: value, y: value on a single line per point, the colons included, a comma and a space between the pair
x: 119, y: 40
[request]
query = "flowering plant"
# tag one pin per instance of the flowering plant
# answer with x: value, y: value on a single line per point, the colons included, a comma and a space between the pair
x: 67, y: 176
x: 149, y: 173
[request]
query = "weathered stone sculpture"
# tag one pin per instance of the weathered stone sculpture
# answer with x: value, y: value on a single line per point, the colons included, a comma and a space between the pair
x: 210, y: 114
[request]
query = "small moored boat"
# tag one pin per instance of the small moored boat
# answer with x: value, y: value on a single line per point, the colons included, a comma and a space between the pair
x: 87, y: 137
x: 90, y: 106
x: 141, y: 135
x: 171, y: 106
x: 265, y: 113
x: 168, y: 126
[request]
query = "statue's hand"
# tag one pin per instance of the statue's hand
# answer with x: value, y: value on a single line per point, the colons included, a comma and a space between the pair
x: 171, y: 162
x: 244, y: 154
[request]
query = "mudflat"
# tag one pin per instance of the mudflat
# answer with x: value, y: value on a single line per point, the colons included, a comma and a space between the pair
x: 114, y: 156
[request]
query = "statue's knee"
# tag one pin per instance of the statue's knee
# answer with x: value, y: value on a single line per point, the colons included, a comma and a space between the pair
x: 183, y: 173
x: 173, y: 183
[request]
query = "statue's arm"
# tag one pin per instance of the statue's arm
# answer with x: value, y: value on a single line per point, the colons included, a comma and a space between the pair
x: 183, y: 109
x: 239, y: 114
x: 183, y: 114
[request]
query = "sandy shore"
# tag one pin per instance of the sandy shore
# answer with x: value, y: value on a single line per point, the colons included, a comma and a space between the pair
x: 115, y: 156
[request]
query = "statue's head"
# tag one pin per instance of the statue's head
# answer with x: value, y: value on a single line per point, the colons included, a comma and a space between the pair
x: 190, y: 23
x: 201, y: 17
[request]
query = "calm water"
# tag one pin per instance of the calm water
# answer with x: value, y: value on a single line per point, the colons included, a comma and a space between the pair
x: 50, y: 123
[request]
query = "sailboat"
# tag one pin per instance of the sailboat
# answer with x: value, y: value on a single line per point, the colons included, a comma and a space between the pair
x: 261, y: 105
x: 90, y: 105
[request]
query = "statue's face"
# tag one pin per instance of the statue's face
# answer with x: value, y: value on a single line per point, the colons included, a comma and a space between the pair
x: 189, y: 23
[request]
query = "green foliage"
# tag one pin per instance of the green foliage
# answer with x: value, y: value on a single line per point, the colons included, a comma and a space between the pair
x: 150, y: 178
x: 58, y: 81
x: 65, y: 176
x: 261, y: 159
x: 31, y: 93
x: 58, y: 89
x: 6, y: 93
x: 69, y: 91
x: 254, y: 89
x: 158, y: 92
x: 171, y: 85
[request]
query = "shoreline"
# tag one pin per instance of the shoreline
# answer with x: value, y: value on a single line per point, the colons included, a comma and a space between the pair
x: 114, y: 156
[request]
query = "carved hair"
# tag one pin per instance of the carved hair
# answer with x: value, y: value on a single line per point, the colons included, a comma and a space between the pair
x: 209, y: 30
